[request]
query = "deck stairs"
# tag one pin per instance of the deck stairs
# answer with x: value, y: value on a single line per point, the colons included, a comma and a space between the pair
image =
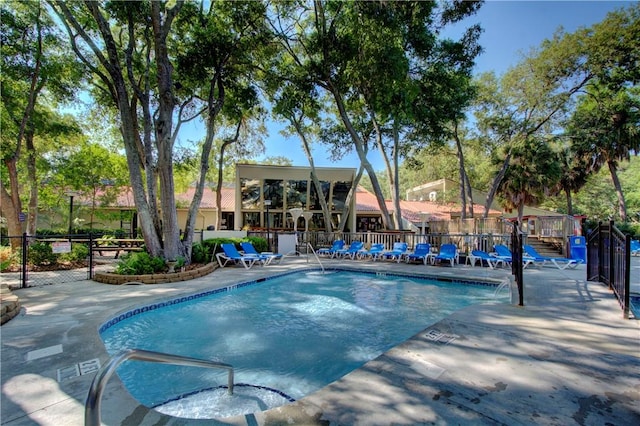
x: 545, y: 248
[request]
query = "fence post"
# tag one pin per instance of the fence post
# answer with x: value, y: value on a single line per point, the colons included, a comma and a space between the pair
x: 90, y: 255
x: 516, y: 260
x: 25, y: 246
x: 612, y: 257
x: 600, y: 251
x: 627, y: 275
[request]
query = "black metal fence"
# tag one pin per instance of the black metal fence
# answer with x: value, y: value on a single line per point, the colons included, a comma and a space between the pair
x: 609, y: 261
x: 49, y: 266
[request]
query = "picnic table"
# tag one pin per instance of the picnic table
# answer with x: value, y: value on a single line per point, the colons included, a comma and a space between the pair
x: 117, y: 245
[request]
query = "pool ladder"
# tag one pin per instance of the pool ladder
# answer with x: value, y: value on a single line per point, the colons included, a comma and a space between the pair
x: 92, y: 406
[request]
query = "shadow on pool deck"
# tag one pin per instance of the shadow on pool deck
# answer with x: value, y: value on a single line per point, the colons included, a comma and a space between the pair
x: 566, y: 357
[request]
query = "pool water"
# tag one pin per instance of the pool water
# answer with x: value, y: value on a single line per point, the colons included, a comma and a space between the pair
x: 294, y: 334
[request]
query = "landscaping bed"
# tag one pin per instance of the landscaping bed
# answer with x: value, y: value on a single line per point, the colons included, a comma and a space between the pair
x: 188, y: 273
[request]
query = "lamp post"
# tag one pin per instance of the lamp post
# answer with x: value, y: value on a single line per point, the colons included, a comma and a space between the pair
x: 70, y: 214
x: 70, y: 194
x: 267, y: 204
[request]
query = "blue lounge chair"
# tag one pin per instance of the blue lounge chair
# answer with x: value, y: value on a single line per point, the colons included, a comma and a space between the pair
x: 635, y: 247
x: 421, y: 253
x: 351, y: 251
x: 399, y: 250
x: 230, y: 254
x: 373, y: 253
x: 331, y: 251
x: 265, y: 257
x: 558, y: 262
x: 479, y: 255
x: 448, y: 252
x: 503, y: 252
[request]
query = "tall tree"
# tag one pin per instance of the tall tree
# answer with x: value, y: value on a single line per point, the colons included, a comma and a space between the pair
x: 34, y: 64
x: 125, y: 46
x: 363, y: 55
x: 606, y: 129
x: 221, y: 82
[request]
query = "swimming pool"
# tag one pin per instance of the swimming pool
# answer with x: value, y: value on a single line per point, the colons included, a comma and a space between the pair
x: 294, y: 334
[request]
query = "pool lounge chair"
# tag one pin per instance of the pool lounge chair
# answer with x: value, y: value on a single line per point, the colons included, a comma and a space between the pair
x: 350, y: 251
x: 502, y: 252
x: 421, y: 253
x: 635, y: 247
x: 265, y: 257
x: 230, y: 254
x: 399, y: 250
x: 331, y: 251
x: 373, y: 253
x: 479, y: 255
x: 558, y: 262
x: 448, y: 252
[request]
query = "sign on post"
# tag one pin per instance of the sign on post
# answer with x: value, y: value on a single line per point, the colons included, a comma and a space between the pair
x: 61, y: 247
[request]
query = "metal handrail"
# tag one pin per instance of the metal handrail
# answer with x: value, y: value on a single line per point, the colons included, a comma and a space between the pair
x: 92, y: 406
x: 316, y: 256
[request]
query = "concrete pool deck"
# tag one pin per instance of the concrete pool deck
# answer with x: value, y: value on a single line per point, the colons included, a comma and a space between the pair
x: 566, y: 357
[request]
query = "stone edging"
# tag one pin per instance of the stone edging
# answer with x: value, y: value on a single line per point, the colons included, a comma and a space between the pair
x: 118, y: 279
x: 10, y: 304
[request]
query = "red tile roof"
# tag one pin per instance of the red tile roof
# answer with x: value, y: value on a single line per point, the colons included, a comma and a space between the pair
x: 366, y: 202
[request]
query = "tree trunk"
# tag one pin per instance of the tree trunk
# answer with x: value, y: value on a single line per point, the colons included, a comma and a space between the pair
x: 395, y: 186
x: 464, y: 179
x: 14, y: 227
x: 32, y: 219
x: 567, y: 193
x: 391, y: 172
x: 494, y: 185
x: 223, y: 148
x: 469, y: 195
x: 326, y: 213
x: 173, y: 248
x: 347, y: 202
x: 360, y: 150
x: 622, y: 206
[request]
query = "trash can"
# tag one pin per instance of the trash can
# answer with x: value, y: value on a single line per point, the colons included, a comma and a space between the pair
x: 578, y: 248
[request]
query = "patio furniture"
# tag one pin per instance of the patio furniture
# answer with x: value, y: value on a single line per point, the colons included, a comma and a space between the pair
x: 230, y: 254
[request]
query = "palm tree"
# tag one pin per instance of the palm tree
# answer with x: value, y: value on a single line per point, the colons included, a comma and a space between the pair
x: 605, y: 130
x: 533, y: 172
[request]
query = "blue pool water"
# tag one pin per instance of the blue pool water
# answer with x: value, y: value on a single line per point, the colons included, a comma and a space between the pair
x: 296, y: 333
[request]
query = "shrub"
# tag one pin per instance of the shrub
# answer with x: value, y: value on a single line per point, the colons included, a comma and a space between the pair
x: 199, y: 253
x: 41, y: 253
x: 7, y: 258
x: 206, y: 250
x: 140, y: 263
x: 259, y: 243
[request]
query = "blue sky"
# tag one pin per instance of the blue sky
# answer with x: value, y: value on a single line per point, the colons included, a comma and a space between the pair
x: 511, y: 28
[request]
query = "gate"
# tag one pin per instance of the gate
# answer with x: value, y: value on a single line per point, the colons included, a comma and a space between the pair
x: 609, y: 261
x: 46, y: 260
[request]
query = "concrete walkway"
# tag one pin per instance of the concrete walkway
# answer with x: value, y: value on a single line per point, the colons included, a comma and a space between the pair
x: 566, y: 357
